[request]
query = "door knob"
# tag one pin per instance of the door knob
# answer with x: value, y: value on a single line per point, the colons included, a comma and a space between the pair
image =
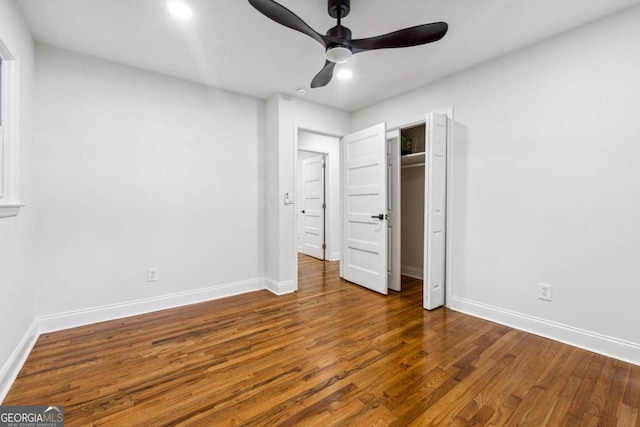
x: 302, y: 210
x: 379, y: 216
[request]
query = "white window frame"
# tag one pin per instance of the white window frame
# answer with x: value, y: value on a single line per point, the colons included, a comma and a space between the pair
x: 10, y: 133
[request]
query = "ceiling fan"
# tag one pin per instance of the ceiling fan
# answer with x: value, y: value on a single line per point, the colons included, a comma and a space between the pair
x: 338, y: 42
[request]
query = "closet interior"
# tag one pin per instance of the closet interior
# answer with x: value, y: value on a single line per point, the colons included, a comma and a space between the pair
x: 412, y: 195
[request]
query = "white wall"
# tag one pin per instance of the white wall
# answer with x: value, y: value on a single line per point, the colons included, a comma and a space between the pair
x: 329, y: 145
x: 284, y: 116
x: 138, y: 170
x: 545, y: 181
x: 272, y: 199
x: 17, y: 279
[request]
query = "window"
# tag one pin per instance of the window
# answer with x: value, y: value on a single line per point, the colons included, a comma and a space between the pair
x: 2, y: 168
x: 9, y: 131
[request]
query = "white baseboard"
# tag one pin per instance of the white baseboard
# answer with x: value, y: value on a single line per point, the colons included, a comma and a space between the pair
x: 597, y: 343
x: 16, y: 360
x: 280, y: 288
x: 416, y: 273
x: 57, y: 322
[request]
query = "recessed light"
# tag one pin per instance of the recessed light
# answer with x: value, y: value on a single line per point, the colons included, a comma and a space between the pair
x: 179, y: 9
x: 301, y: 91
x: 345, y: 74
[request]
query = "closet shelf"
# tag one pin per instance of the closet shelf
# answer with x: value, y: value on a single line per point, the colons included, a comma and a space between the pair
x: 412, y: 159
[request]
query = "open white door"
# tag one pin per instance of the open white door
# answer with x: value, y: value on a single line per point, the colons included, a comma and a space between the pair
x: 313, y: 211
x: 435, y: 211
x: 364, y: 229
x: 393, y: 210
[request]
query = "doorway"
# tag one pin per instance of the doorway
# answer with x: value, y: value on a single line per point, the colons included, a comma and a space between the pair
x: 317, y: 195
x: 372, y: 241
x: 311, y: 193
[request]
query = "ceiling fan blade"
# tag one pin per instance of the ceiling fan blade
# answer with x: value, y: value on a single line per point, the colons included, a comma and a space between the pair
x: 324, y: 76
x: 284, y: 16
x: 413, y: 36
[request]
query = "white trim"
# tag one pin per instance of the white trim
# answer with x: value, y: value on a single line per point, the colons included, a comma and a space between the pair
x: 10, y: 132
x: 419, y: 120
x: 72, y: 319
x: 281, y: 288
x: 7, y: 211
x: 405, y: 124
x: 449, y: 216
x: 415, y: 272
x: 608, y: 346
x: 335, y: 256
x: 13, y: 365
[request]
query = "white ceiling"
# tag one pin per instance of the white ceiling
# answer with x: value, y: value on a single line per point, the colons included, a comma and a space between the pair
x: 230, y: 45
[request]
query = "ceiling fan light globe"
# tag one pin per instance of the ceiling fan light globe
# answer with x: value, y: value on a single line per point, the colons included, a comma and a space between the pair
x: 338, y: 54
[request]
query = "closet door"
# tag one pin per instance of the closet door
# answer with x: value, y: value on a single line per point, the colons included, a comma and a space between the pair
x: 364, y: 228
x: 393, y: 210
x: 435, y: 211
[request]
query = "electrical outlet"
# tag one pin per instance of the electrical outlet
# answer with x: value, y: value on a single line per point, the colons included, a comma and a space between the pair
x: 152, y: 274
x: 545, y: 292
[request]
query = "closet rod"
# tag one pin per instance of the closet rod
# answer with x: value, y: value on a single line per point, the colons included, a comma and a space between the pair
x: 415, y: 165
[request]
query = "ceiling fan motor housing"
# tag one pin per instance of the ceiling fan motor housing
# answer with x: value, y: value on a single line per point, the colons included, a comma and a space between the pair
x: 339, y: 44
x: 344, y: 6
x: 340, y: 32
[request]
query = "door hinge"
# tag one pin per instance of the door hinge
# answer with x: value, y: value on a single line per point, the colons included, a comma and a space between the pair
x: 324, y: 165
x: 324, y: 206
x: 324, y: 246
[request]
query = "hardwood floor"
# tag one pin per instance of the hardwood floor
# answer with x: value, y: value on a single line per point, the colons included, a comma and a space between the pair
x: 330, y: 354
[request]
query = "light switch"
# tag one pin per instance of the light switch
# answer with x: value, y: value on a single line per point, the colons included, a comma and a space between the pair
x: 288, y: 198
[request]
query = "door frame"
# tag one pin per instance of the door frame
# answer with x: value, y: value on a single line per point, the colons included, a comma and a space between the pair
x: 325, y: 160
x: 394, y: 200
x: 418, y: 120
x: 311, y: 128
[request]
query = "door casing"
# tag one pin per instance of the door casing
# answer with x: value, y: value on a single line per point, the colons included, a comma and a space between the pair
x: 403, y: 124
